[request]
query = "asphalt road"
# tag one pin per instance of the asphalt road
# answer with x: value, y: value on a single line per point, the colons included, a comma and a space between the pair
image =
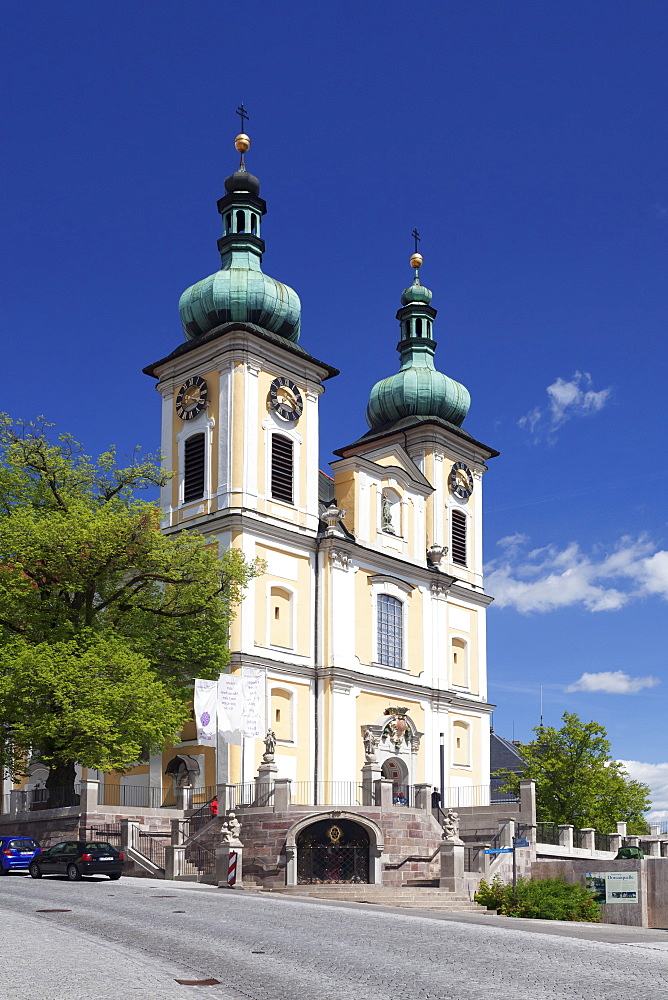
x: 135, y: 938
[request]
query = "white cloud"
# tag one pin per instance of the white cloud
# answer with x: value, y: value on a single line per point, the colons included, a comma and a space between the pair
x: 612, y: 682
x: 548, y: 578
x: 656, y: 776
x: 567, y: 398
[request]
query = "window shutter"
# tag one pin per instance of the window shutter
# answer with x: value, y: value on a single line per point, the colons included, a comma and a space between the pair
x: 193, y: 468
x: 281, y: 468
x: 459, y: 537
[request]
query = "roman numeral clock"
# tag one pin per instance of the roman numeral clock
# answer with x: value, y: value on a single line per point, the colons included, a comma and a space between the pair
x: 191, y: 398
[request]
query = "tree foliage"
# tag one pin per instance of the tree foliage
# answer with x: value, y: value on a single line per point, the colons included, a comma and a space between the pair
x: 577, y: 780
x: 116, y: 617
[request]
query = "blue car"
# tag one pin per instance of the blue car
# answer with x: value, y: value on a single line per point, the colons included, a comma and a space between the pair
x: 16, y: 853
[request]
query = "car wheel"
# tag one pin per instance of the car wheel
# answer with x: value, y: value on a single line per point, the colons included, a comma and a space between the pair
x: 35, y: 870
x: 73, y: 873
x: 115, y: 876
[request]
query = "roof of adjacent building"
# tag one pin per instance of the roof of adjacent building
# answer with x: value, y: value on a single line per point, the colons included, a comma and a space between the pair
x: 504, y: 755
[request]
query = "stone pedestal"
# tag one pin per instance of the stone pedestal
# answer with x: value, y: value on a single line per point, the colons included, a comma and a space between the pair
x: 223, y: 862
x: 184, y: 797
x: 282, y: 794
x: 588, y: 841
x: 174, y: 861
x: 566, y: 836
x: 452, y: 865
x: 423, y: 796
x: 89, y: 794
x: 264, y: 783
x: 614, y: 841
x: 370, y: 775
x: 621, y: 828
x: 654, y: 849
x: 507, y: 831
x: 383, y: 789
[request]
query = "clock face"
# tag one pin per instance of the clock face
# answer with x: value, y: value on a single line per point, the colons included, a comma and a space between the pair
x: 285, y: 399
x: 191, y: 398
x: 461, y: 480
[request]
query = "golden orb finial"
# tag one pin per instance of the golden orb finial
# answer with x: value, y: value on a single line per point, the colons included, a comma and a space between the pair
x: 242, y: 143
x: 416, y: 260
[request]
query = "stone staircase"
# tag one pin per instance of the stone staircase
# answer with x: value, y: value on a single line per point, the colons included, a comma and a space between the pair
x: 424, y: 898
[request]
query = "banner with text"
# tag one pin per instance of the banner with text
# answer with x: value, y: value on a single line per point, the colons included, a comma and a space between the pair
x: 206, y: 698
x: 253, y: 689
x: 230, y: 708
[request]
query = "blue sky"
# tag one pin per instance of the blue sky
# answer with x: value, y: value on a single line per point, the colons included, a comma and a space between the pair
x: 525, y: 140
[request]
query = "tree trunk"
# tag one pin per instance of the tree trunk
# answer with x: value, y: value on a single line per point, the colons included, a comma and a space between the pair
x: 60, y: 783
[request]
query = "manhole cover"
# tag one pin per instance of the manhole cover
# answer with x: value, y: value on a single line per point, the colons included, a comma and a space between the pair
x: 53, y: 911
x: 198, y: 982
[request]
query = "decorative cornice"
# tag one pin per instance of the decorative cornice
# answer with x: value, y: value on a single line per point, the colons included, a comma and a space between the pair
x: 340, y: 559
x: 441, y: 588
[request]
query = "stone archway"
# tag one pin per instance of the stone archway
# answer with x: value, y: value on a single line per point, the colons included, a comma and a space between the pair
x: 396, y: 770
x: 350, y: 854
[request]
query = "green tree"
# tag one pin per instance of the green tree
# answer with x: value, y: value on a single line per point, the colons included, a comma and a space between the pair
x: 104, y: 620
x: 577, y: 781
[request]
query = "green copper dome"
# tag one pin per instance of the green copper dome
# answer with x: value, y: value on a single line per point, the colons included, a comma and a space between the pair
x: 417, y: 389
x: 240, y: 291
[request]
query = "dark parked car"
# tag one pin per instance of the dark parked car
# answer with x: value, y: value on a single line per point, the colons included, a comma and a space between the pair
x: 16, y: 852
x: 75, y: 858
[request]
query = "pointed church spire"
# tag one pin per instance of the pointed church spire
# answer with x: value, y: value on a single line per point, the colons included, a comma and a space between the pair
x: 418, y: 389
x: 240, y: 291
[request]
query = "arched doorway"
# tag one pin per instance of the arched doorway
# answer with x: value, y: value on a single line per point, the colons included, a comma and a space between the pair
x: 395, y: 769
x: 332, y: 851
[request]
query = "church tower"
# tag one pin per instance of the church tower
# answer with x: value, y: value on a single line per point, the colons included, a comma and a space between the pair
x: 240, y: 429
x: 368, y: 620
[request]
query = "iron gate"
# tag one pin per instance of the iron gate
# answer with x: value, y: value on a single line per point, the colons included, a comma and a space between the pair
x: 333, y: 851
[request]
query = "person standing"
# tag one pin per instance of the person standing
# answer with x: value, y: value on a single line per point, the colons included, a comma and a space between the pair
x: 435, y: 798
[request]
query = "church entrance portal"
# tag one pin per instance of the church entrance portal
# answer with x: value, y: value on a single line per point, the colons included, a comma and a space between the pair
x: 331, y: 851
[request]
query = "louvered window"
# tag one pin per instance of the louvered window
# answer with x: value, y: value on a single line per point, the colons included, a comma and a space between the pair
x: 459, y: 537
x: 193, y: 468
x: 390, y: 631
x: 282, y: 465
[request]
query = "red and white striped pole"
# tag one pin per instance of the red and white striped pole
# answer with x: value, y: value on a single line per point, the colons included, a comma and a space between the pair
x: 232, y: 868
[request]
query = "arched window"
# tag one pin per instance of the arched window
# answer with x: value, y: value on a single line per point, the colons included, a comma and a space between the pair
x: 228, y: 223
x: 193, y: 468
x: 418, y: 328
x: 461, y: 749
x: 254, y: 224
x: 280, y: 617
x: 390, y: 631
x: 282, y: 468
x: 458, y: 532
x: 241, y: 222
x: 460, y: 663
x: 281, y: 714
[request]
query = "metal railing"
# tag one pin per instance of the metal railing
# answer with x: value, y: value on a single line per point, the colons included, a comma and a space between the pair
x: 111, y: 832
x: 577, y: 837
x: 479, y: 795
x: 152, y: 846
x: 326, y: 793
x: 602, y: 841
x: 199, y: 860
x: 36, y: 799
x: 547, y: 833
x: 136, y: 796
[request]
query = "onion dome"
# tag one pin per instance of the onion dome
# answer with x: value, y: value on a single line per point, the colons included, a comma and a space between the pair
x: 240, y: 291
x: 417, y: 389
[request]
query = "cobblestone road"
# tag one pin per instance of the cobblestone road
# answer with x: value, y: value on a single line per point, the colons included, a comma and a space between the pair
x: 132, y: 939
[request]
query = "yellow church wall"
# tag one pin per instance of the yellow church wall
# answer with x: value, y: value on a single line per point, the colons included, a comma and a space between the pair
x: 473, y: 770
x: 290, y: 597
x: 238, y: 426
x: 429, y: 505
x: 236, y: 542
x: 301, y: 727
x: 415, y: 637
x: 373, y: 522
x: 363, y: 617
x: 345, y: 491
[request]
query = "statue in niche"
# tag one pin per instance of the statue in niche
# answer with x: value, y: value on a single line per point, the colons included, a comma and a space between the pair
x: 269, y: 747
x: 370, y: 744
x: 230, y: 830
x: 451, y: 826
x: 386, y: 523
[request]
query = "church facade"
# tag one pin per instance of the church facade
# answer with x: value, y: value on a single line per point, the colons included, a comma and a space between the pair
x: 368, y: 615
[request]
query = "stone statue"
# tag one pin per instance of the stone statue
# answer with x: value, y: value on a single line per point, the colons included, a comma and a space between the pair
x: 451, y: 826
x: 386, y: 515
x: 269, y: 747
x: 370, y: 744
x: 230, y: 830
